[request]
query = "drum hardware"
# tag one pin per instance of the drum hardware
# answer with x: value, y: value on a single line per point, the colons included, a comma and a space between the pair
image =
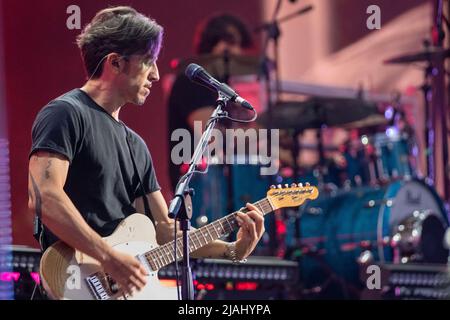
x: 432, y: 89
x: 379, y: 203
x: 419, y: 238
x: 365, y: 258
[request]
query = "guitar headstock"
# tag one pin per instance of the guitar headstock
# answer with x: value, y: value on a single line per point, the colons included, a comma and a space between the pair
x: 291, y: 196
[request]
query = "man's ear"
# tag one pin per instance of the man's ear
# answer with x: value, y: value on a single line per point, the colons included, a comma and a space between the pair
x: 115, y: 61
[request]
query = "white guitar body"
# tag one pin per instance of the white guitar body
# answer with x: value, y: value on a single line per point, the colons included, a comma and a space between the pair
x: 65, y: 271
x: 70, y: 274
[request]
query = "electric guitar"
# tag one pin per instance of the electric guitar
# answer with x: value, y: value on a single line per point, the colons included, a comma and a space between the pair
x: 67, y: 273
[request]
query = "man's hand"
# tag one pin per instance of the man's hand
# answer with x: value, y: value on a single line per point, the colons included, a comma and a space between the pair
x: 251, y: 230
x: 126, y: 271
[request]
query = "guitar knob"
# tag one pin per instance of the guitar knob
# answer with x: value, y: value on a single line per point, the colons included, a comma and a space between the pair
x: 280, y: 186
x: 300, y: 185
x: 273, y: 187
x: 286, y: 185
x: 293, y: 185
x: 307, y: 184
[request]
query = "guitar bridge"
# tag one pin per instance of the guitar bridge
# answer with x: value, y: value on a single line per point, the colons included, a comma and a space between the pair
x: 99, y: 288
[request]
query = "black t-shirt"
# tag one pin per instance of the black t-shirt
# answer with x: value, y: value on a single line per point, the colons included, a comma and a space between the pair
x: 185, y: 97
x: 101, y: 181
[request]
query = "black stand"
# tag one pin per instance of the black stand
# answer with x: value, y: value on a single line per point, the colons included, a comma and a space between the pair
x: 273, y: 33
x: 439, y: 100
x: 429, y: 128
x: 184, y: 216
x: 180, y: 207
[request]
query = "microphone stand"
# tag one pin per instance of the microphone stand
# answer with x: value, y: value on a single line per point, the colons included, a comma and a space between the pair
x: 180, y: 207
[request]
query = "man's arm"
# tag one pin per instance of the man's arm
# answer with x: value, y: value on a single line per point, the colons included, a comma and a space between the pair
x: 47, y: 176
x: 251, y: 223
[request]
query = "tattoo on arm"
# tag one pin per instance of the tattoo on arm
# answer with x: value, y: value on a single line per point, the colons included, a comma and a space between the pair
x: 47, y: 172
x: 37, y: 196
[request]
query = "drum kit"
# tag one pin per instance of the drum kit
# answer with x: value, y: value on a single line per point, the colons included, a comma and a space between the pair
x: 374, y: 205
x: 379, y: 207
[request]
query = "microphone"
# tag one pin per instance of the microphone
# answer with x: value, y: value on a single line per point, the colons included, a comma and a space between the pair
x: 197, y: 74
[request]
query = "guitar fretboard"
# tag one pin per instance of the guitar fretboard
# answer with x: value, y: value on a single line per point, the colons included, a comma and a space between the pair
x: 165, y: 254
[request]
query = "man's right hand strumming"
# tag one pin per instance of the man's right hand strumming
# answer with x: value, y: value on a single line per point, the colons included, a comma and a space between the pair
x: 126, y: 271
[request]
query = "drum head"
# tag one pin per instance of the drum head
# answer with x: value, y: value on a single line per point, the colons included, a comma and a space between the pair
x: 405, y: 197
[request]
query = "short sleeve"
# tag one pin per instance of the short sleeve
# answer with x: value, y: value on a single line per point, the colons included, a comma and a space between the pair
x: 150, y: 181
x: 144, y: 163
x: 57, y: 128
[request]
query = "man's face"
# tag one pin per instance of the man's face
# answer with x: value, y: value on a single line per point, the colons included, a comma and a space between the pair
x: 137, y: 78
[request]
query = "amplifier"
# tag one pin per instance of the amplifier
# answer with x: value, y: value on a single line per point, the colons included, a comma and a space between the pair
x: 412, y: 281
x: 258, y: 278
x: 20, y: 267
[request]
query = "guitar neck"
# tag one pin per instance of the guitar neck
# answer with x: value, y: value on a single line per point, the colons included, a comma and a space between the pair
x: 165, y: 254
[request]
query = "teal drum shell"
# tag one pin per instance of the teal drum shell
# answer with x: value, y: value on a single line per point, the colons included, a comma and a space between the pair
x: 393, y: 154
x: 330, y: 233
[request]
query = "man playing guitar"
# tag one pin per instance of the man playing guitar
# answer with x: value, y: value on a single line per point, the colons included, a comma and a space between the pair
x: 88, y: 171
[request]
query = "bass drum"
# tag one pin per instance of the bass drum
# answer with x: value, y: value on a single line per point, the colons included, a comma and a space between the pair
x: 334, y: 230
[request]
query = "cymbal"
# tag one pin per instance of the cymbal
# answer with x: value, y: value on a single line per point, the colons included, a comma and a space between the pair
x: 370, y: 121
x: 430, y: 53
x: 316, y: 112
x: 239, y: 65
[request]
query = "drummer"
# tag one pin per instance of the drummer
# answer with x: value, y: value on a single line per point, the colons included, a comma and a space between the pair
x: 220, y: 35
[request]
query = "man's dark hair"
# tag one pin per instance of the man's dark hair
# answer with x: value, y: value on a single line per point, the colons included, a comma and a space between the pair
x: 217, y: 28
x: 122, y: 30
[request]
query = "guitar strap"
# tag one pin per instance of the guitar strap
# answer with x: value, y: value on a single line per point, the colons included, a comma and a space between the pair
x: 148, y: 213
x: 38, y: 231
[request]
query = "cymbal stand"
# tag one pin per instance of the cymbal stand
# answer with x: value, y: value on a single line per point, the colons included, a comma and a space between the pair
x: 439, y: 94
x: 405, y: 130
x: 429, y: 128
x: 320, y: 170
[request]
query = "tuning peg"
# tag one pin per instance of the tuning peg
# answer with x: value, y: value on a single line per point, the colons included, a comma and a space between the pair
x: 273, y: 187
x: 286, y: 185
x: 280, y: 186
x: 293, y: 185
x: 307, y: 184
x: 300, y: 185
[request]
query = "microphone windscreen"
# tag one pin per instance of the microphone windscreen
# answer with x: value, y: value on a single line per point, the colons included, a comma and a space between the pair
x: 191, y: 70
